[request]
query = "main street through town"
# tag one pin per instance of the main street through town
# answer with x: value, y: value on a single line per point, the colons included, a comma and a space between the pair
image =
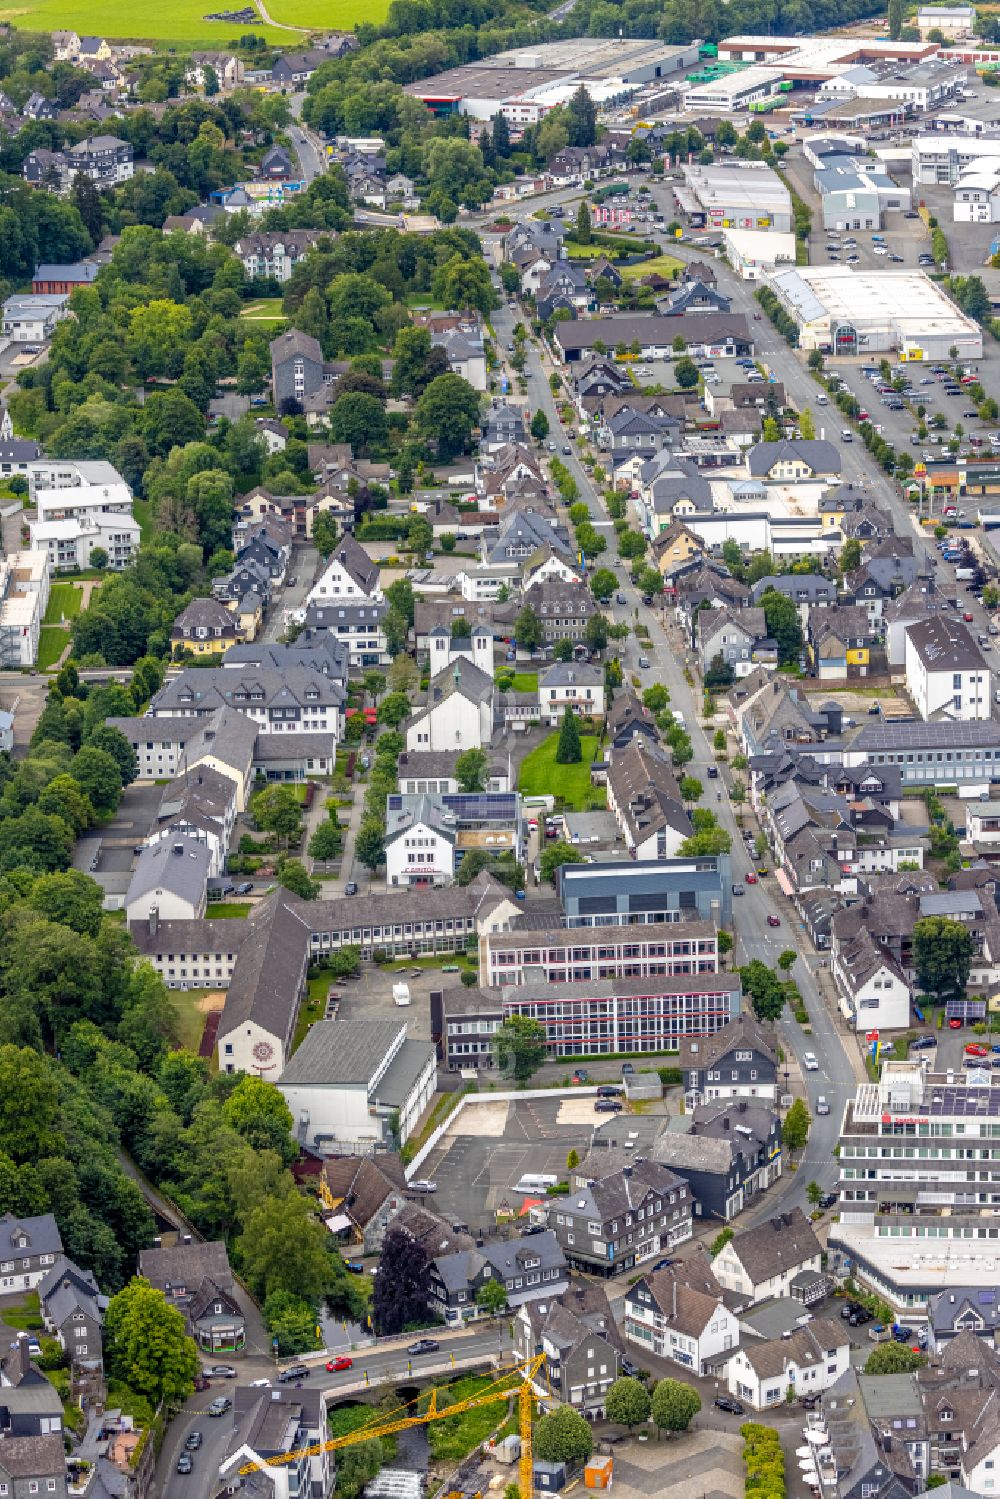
x: 839, y: 1069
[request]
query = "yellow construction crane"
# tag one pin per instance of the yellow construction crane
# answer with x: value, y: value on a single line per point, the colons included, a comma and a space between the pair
x: 383, y: 1426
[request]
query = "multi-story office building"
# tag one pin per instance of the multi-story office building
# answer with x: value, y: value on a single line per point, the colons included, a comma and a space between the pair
x: 618, y: 1015
x: 558, y: 956
x: 920, y: 1183
x: 648, y: 890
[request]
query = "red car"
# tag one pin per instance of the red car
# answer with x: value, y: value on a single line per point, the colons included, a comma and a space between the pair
x: 968, y: 617
x: 976, y: 1049
x: 751, y: 878
x: 774, y: 921
x: 954, y: 1024
x: 334, y: 1365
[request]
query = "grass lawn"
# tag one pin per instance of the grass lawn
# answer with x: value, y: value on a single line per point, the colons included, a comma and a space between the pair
x: 143, y: 512
x: 663, y: 265
x: 313, y: 1008
x: 227, y: 908
x: 52, y: 642
x: 190, y: 1019
x: 23, y: 1313
x: 64, y: 603
x: 526, y: 681
x: 540, y: 775
x: 324, y: 14
x: 180, y: 24
x: 267, y: 311
x: 456, y: 1436
x: 344, y: 1419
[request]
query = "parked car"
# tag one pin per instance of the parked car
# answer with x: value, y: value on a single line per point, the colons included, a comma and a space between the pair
x: 976, y: 1049
x: 923, y: 1043
x: 244, y: 888
x: 423, y: 1185
x: 608, y: 1106
x: 351, y: 888
x: 774, y: 921
x: 828, y: 1199
x: 627, y: 1069
x: 423, y: 1345
x: 809, y: 1062
x: 581, y: 1075
x: 221, y: 1371
x: 609, y: 1090
x: 730, y: 1406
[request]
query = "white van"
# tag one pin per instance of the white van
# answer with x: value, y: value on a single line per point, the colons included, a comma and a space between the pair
x: 530, y: 1183
x: 822, y: 400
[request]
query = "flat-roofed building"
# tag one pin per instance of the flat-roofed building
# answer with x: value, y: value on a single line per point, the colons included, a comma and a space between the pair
x: 740, y: 195
x: 846, y: 312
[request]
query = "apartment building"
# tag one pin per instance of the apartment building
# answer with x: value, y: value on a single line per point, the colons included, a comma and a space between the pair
x: 24, y: 596
x: 609, y: 1224
x: 560, y: 956
x: 81, y: 507
x: 625, y: 1015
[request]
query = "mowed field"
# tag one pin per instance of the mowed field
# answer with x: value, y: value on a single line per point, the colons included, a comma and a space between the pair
x: 327, y: 15
x: 179, y: 24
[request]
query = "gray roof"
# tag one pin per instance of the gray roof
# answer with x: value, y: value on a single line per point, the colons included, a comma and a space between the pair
x: 427, y: 810
x: 187, y: 1265
x: 694, y: 1152
x: 319, y: 652
x: 945, y: 644
x: 745, y: 1030
x: 572, y: 674
x: 821, y: 456
x: 204, y: 688
x: 881, y: 737
x: 807, y: 1345
x: 397, y: 1082
x: 888, y: 1395
x: 269, y: 968
x: 775, y: 1245
x: 947, y: 1306
x: 66, y: 1289
x: 33, y: 1457
x: 207, y: 613
x: 272, y: 748
x: 344, y: 1053
x: 506, y: 1258
x: 41, y: 1233
x: 179, y: 865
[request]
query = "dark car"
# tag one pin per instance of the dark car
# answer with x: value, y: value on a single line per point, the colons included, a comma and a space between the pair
x: 808, y: 1402
x: 567, y: 449
x: 351, y: 888
x: 665, y: 1263
x: 859, y: 1317
x: 607, y: 1106
x: 424, y: 1345
x: 184, y: 1463
x: 627, y: 1069
x: 828, y: 1199
x: 923, y: 1043
x: 581, y: 1075
x: 727, y: 1403
x: 532, y: 1228
x: 194, y: 1441
x: 629, y: 1369
x: 902, y: 1334
x: 200, y: 1382
x: 294, y: 1371
x: 220, y: 1405
x: 221, y: 1371
x: 609, y: 1090
x: 245, y: 888
x: 713, y: 772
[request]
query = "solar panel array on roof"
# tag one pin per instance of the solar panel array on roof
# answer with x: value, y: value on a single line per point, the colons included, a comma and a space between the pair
x: 967, y: 1102
x: 892, y: 736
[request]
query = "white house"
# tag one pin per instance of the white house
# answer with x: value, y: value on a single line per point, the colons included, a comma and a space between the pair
x: 32, y: 318
x: 874, y: 992
x: 762, y: 1262
x: 982, y: 822
x: 547, y: 566
x: 946, y: 674
x: 24, y: 596
x: 571, y: 684
x: 171, y: 879
x: 459, y: 713
x: 420, y: 845
x: 349, y: 574
x: 808, y: 1362
x: 269, y: 1422
x: 81, y: 506
x: 666, y: 1316
x: 349, y: 1079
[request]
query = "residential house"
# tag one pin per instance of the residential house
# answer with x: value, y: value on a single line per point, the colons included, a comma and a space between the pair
x: 728, y: 1152
x: 562, y: 608
x: 461, y: 338
x: 297, y: 368
x: 842, y: 644
x: 807, y: 591
x: 762, y: 1261
x: 364, y: 1195
x: 349, y: 574
x: 360, y: 627
x: 885, y: 572
x: 282, y: 1432
x: 292, y: 69
x: 529, y: 1269
x: 734, y: 637
x: 719, y: 335
x: 874, y: 991
x: 206, y: 627
x: 696, y: 296
x: 574, y: 685
x: 609, y: 1223
x: 922, y: 600
x: 273, y: 255
x: 297, y: 700
x: 35, y: 1465
x: 946, y: 673
x: 963, y: 1309
x: 739, y: 1061
x: 644, y: 799
x: 33, y: 320
x: 678, y: 1313
x: 29, y: 1405
x: 275, y: 165
x: 105, y: 159
x: 228, y: 68
x: 809, y: 1362
x: 170, y: 878
x: 28, y: 1250
x: 503, y: 424
x: 794, y: 460
x: 581, y: 1343
x: 71, y: 1303
x: 629, y: 721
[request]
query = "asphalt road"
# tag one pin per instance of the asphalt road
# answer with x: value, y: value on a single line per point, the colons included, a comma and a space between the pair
x: 836, y: 1077
x: 308, y: 148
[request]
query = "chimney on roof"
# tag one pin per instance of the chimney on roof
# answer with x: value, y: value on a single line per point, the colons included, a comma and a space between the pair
x: 154, y: 917
x: 179, y: 849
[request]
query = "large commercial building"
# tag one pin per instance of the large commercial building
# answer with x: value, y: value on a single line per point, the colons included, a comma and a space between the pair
x: 618, y: 1014
x: 647, y: 890
x: 740, y: 195
x: 920, y: 1183
x: 524, y: 84
x: 846, y: 312
x: 557, y: 956
x: 966, y: 755
x: 770, y: 65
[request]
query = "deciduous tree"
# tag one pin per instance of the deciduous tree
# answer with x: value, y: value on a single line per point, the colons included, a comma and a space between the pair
x: 402, y: 1285
x: 148, y: 1348
x: 563, y: 1436
x: 674, y: 1405
x: 519, y: 1045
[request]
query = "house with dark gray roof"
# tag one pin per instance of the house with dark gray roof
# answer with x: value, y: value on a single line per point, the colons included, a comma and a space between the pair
x: 73, y: 1308
x: 170, y: 877
x: 610, y: 1221
x: 810, y: 1361
x: 740, y: 1060
x: 28, y: 1250
x: 645, y: 801
x: 352, y: 1084
x: 268, y: 1426
x: 794, y: 460
x: 364, y: 1195
x: 946, y: 672
x: 529, y: 1269
x: 627, y: 721
x: 205, y: 627
x: 265, y: 989
x: 578, y: 1334
x: 728, y: 1151
x: 29, y: 1405
x: 30, y: 1466
x: 964, y: 1309
x: 678, y: 1312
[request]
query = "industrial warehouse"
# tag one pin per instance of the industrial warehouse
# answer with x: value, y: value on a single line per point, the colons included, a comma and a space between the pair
x: 846, y: 312
x: 524, y: 84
